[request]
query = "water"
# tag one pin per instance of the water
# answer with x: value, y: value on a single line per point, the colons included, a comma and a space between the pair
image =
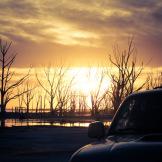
x: 35, y: 122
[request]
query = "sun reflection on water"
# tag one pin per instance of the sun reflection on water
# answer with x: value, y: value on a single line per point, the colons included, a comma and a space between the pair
x: 34, y: 122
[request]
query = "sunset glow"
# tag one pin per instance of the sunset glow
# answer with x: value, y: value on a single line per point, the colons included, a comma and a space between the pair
x: 79, y: 32
x: 67, y: 67
x: 86, y: 80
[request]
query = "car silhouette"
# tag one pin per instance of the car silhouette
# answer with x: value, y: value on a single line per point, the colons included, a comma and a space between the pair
x: 135, y: 134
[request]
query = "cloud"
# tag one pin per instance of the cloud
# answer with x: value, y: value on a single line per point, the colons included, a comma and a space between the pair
x: 92, y: 23
x: 157, y: 14
x: 95, y: 18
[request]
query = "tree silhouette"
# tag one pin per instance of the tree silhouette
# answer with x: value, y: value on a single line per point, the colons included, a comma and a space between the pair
x: 7, y: 84
x: 97, y: 94
x: 127, y: 72
x: 28, y: 96
x: 155, y: 80
x: 63, y: 94
x: 51, y: 84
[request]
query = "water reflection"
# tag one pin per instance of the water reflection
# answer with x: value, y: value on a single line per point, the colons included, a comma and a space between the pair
x: 34, y: 122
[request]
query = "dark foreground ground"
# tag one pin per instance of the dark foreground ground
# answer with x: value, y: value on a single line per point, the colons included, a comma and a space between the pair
x: 40, y: 144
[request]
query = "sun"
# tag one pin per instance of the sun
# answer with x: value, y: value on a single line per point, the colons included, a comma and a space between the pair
x: 88, y: 80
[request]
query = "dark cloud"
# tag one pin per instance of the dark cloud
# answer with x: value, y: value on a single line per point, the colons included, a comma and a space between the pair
x: 22, y: 9
x: 157, y: 14
x: 137, y: 3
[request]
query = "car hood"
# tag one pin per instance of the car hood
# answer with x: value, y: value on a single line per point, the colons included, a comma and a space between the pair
x: 126, y: 148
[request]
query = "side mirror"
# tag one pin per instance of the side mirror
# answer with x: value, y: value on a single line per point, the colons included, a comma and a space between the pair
x: 96, y: 130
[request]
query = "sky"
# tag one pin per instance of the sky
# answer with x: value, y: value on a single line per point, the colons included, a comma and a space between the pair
x: 80, y: 32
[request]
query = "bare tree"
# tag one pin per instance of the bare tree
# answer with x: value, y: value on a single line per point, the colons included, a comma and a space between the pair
x: 82, y: 103
x: 28, y: 95
x: 97, y: 94
x: 155, y: 80
x: 107, y: 105
x: 127, y: 72
x: 38, y: 102
x: 20, y: 98
x: 7, y: 84
x: 51, y: 83
x: 63, y: 93
x: 73, y: 103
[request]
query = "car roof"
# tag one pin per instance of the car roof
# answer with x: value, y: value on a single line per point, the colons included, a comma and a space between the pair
x: 146, y: 92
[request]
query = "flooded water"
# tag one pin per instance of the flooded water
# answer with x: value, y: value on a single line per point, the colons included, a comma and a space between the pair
x: 34, y: 122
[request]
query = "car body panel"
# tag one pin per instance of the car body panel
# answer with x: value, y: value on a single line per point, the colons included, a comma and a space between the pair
x: 131, y: 146
x: 125, y: 148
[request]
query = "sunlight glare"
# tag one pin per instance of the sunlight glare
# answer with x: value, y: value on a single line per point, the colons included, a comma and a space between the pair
x: 87, y: 80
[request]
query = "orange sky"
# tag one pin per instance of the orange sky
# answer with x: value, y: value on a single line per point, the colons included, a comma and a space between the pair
x: 80, y: 32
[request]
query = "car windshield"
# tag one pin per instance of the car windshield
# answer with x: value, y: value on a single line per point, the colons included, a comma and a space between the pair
x: 140, y: 113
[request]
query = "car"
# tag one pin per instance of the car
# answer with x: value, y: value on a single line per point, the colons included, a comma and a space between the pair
x: 135, y: 134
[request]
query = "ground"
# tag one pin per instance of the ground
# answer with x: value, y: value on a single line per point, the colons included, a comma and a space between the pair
x: 40, y: 144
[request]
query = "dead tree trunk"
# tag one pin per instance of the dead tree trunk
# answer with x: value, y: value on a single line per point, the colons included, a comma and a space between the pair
x: 7, y: 85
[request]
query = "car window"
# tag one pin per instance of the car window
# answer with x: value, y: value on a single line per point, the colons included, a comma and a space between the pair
x: 141, y: 112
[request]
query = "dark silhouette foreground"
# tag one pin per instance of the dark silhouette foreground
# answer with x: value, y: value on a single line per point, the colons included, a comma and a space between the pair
x: 50, y: 144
